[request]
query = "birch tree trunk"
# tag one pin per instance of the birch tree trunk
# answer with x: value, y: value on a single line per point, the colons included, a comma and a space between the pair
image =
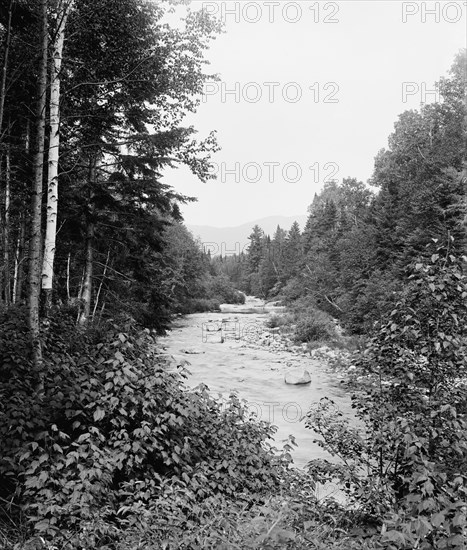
x: 36, y: 203
x: 6, y: 234
x: 54, y: 144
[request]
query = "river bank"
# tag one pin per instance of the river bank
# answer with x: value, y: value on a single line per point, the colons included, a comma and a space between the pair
x: 233, y: 351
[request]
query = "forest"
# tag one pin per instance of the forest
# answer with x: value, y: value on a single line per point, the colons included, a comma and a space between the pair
x: 352, y: 258
x: 102, y: 446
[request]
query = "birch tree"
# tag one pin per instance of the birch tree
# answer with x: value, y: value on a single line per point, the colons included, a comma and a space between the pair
x: 63, y: 9
x: 6, y: 232
x: 36, y: 204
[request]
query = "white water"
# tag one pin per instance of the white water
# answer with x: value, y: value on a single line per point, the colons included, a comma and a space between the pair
x: 257, y: 374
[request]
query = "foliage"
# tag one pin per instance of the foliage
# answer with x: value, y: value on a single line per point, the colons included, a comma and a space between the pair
x: 102, y: 431
x: 128, y: 79
x: 222, y: 289
x: 313, y: 324
x: 102, y: 447
x: 200, y: 305
x: 276, y: 320
x: 188, y: 280
x: 293, y: 519
x: 351, y: 256
x: 407, y: 467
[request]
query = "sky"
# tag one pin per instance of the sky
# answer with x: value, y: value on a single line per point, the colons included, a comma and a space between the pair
x: 309, y: 91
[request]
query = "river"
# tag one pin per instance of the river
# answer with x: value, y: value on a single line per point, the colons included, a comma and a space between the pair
x: 224, y: 356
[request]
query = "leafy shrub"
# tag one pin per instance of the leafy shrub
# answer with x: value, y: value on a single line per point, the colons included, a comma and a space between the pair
x: 293, y: 290
x: 313, y: 324
x: 221, y: 288
x: 102, y: 431
x: 289, y: 519
x: 276, y: 320
x: 408, y: 468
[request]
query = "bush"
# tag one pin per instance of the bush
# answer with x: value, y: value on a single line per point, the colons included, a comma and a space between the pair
x: 102, y: 431
x: 220, y: 288
x: 313, y: 325
x: 408, y: 468
x: 286, y: 521
x: 294, y: 290
x: 276, y: 320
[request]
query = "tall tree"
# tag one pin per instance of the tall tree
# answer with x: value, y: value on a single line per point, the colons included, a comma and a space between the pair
x: 6, y: 51
x: 36, y: 206
x: 62, y: 11
x: 293, y: 252
x: 129, y: 80
x: 420, y: 175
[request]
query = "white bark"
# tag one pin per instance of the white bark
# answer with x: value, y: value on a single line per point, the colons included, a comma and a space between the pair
x: 6, y: 236
x: 63, y: 10
x: 36, y: 201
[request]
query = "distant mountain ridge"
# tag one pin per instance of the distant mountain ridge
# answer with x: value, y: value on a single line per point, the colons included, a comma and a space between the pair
x: 233, y: 240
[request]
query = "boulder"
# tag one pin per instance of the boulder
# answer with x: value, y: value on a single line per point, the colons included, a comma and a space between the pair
x: 295, y: 378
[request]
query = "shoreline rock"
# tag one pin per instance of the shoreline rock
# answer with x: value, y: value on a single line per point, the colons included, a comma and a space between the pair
x: 293, y: 378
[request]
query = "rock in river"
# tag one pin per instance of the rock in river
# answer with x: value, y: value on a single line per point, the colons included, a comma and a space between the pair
x: 292, y: 377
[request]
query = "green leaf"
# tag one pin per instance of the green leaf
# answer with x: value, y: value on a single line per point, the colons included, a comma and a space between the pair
x: 98, y: 414
x: 437, y: 519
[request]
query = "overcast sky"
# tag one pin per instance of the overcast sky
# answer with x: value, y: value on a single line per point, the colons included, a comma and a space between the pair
x: 315, y: 89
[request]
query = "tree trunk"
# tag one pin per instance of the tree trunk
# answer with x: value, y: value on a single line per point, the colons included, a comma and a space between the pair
x: 86, y: 293
x: 6, y: 236
x: 21, y: 256
x: 68, y: 297
x: 36, y: 203
x: 2, y: 108
x: 2, y: 224
x: 100, y: 285
x: 5, y: 67
x: 54, y: 144
x: 19, y: 259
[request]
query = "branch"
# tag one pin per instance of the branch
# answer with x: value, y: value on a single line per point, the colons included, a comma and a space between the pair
x: 333, y: 304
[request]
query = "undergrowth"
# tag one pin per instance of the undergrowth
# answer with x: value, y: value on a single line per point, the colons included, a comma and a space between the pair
x: 103, y: 448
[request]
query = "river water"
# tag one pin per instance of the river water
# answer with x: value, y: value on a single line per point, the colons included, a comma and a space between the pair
x: 223, y: 355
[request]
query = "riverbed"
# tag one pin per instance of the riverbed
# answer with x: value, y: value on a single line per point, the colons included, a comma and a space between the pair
x: 223, y: 352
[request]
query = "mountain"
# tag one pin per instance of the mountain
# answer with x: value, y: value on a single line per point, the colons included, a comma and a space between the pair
x: 230, y: 240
